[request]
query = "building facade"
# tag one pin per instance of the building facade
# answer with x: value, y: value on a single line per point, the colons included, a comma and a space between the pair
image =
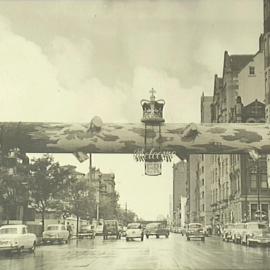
x: 179, y: 191
x: 239, y: 185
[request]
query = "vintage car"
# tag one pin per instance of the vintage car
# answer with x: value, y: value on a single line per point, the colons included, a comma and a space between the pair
x: 237, y: 232
x: 134, y: 230
x: 55, y: 233
x: 227, y: 234
x: 87, y: 231
x: 195, y: 230
x: 255, y: 233
x: 17, y: 237
x: 156, y: 229
x: 111, y: 228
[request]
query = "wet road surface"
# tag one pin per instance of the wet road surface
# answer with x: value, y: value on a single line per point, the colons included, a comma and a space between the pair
x: 159, y: 254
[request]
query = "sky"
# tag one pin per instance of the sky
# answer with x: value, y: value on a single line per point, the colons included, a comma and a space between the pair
x: 71, y: 60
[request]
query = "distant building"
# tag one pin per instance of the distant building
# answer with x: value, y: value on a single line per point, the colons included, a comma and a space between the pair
x: 206, y: 106
x: 204, y: 175
x: 192, y: 190
x: 179, y: 189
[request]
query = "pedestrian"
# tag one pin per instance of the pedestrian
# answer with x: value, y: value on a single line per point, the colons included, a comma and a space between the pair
x: 69, y: 228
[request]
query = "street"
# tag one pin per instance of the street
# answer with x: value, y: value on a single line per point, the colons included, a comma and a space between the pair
x: 172, y: 253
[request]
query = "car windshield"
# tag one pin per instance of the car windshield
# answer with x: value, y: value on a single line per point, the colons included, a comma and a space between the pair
x: 133, y: 226
x: 152, y: 225
x: 195, y: 226
x: 8, y: 231
x: 53, y: 228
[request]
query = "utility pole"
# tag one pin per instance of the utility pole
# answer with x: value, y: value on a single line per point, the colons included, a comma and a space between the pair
x: 258, y: 189
x: 97, y: 200
x: 90, y: 168
x: 126, y: 213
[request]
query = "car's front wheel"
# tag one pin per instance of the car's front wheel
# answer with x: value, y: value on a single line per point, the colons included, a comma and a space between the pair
x: 127, y: 239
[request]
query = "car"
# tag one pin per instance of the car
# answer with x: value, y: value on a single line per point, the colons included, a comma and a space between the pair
x: 111, y: 228
x: 87, y: 231
x: 156, y: 229
x: 237, y: 232
x: 195, y: 230
x: 17, y: 237
x: 55, y: 233
x: 227, y: 234
x: 134, y: 230
x: 256, y: 233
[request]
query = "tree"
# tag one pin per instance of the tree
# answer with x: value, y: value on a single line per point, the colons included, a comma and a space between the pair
x: 14, y: 175
x: 109, y: 205
x: 47, y: 182
x: 81, y: 200
x: 125, y: 216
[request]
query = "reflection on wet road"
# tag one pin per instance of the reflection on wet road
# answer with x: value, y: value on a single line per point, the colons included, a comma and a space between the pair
x: 152, y: 253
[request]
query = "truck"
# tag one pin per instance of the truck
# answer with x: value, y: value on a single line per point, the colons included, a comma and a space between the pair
x: 111, y: 228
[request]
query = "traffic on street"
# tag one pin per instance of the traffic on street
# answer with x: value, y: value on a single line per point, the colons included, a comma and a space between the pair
x: 174, y: 252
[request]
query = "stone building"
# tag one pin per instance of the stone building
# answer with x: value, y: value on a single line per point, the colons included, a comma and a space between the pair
x: 192, y: 190
x: 238, y: 97
x: 204, y: 175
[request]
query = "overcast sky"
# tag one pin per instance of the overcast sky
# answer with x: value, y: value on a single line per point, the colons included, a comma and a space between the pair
x: 71, y: 60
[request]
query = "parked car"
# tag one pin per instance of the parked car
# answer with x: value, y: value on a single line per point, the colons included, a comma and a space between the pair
x: 227, y: 234
x: 111, y: 228
x: 55, y: 233
x: 87, y: 231
x: 237, y: 232
x: 195, y: 230
x: 156, y: 229
x: 17, y: 237
x: 134, y: 230
x: 256, y: 233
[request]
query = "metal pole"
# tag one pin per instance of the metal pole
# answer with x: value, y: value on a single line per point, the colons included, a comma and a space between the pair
x: 90, y: 168
x: 97, y: 211
x: 97, y: 199
x: 258, y: 188
x: 126, y: 214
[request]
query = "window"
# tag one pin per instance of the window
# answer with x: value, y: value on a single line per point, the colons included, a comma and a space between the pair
x: 253, y: 208
x: 252, y: 71
x: 202, y: 182
x: 265, y: 211
x: 264, y: 183
x: 253, y: 180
